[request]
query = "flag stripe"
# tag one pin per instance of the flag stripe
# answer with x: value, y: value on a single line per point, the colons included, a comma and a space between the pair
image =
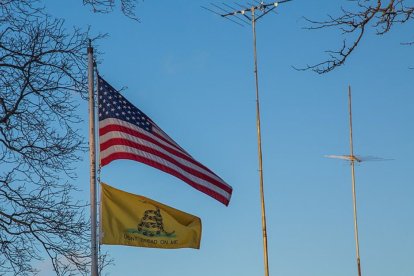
x: 121, y: 138
x: 164, y: 136
x: 138, y: 147
x: 207, y: 190
x: 110, y: 125
x: 109, y: 129
x: 124, y: 149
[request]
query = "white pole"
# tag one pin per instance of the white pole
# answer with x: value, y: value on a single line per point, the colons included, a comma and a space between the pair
x: 353, y: 184
x: 92, y: 158
x: 259, y: 146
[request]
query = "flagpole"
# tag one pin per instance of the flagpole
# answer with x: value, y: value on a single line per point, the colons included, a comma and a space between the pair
x: 259, y: 147
x: 92, y: 158
x: 353, y: 183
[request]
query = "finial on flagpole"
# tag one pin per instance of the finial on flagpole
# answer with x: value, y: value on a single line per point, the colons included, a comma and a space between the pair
x: 90, y: 49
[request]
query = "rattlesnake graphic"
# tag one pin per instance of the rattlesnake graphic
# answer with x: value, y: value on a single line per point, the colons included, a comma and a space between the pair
x: 151, y: 224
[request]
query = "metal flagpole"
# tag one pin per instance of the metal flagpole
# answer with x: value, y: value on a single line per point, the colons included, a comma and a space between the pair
x: 240, y: 18
x: 352, y: 159
x: 92, y: 158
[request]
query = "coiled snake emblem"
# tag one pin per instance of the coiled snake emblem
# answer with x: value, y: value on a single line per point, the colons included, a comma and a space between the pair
x: 151, y: 224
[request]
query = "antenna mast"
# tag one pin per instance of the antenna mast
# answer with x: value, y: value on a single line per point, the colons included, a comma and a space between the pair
x: 241, y: 17
x: 352, y: 159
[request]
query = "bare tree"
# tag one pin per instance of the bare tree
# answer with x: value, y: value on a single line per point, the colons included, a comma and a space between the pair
x: 41, y: 69
x: 128, y: 7
x: 382, y: 16
x: 42, y: 78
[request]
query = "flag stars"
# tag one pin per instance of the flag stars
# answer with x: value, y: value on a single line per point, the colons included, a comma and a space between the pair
x: 113, y: 105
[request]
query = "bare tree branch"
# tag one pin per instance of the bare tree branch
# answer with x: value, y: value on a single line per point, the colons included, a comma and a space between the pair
x: 379, y: 15
x: 127, y: 7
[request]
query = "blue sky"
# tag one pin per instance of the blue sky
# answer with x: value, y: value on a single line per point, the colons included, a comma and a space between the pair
x: 192, y: 73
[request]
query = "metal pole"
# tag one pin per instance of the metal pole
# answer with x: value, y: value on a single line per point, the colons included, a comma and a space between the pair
x: 353, y: 184
x: 92, y: 158
x: 259, y: 145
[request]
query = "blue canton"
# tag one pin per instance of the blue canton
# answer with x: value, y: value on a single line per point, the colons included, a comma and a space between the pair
x: 111, y: 104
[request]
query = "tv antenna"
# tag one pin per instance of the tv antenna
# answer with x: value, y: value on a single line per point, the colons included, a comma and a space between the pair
x: 352, y: 159
x: 243, y: 15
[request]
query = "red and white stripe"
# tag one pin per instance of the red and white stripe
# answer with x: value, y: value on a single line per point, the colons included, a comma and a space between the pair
x: 121, y: 140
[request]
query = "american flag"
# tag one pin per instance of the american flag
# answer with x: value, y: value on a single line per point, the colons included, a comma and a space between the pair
x: 125, y: 132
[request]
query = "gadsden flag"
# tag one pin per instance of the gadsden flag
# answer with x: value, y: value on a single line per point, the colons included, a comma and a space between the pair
x: 133, y: 220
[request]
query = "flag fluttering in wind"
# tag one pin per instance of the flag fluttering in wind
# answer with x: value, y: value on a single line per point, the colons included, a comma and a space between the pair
x: 128, y: 219
x: 125, y: 132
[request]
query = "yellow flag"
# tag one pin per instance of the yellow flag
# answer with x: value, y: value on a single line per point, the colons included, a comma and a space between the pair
x: 128, y: 219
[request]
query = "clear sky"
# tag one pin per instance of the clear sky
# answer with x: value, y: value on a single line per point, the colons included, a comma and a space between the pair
x: 192, y: 73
